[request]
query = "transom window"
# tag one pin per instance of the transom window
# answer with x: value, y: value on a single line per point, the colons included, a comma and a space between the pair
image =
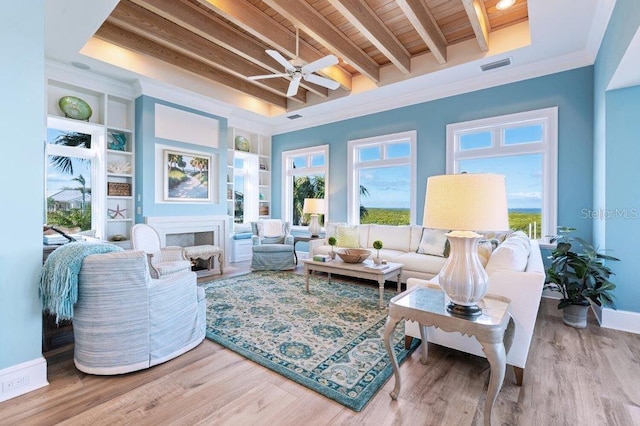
x: 382, y: 179
x: 521, y: 146
x: 305, y: 175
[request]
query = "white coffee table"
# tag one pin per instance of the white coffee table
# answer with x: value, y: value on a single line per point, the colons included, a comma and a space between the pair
x: 355, y: 270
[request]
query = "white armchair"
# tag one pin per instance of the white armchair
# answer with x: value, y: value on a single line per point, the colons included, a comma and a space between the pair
x: 126, y: 321
x: 163, y: 261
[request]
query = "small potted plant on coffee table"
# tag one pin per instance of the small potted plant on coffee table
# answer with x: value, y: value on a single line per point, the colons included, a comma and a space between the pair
x: 581, y: 277
x: 377, y: 244
x: 332, y: 242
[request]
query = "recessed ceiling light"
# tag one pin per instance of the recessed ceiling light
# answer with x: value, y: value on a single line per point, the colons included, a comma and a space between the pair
x: 505, y: 4
x: 80, y: 65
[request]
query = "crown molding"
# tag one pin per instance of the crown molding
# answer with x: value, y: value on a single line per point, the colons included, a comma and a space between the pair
x: 87, y: 79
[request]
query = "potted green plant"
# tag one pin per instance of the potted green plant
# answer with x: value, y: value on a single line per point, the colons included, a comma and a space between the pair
x: 581, y: 277
x: 377, y: 244
x: 332, y: 242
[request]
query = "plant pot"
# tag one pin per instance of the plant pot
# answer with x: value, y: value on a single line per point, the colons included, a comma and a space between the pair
x: 575, y: 315
x: 332, y: 254
x: 377, y: 261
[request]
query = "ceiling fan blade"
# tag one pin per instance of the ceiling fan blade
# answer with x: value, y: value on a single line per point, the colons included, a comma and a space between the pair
x: 318, y: 64
x: 321, y: 81
x: 259, y: 77
x: 281, y: 59
x: 293, y: 86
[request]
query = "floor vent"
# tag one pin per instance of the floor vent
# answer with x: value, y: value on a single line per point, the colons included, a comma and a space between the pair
x: 294, y: 116
x: 496, y: 64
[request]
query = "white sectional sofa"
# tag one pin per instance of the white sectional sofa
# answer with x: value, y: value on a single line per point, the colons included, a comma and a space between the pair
x: 514, y: 267
x: 400, y: 244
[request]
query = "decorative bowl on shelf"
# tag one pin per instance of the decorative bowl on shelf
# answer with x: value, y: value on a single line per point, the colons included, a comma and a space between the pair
x: 353, y: 255
x: 75, y: 108
x: 242, y: 144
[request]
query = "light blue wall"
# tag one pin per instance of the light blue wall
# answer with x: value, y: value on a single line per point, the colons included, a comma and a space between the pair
x: 623, y: 192
x: 616, y: 154
x: 571, y: 91
x: 22, y: 81
x: 146, y: 171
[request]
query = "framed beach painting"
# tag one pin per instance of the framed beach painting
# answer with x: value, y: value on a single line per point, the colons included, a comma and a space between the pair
x: 187, y: 176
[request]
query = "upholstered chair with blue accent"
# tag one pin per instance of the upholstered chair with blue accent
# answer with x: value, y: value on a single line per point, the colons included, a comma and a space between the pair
x: 272, y: 246
x: 163, y: 261
x: 124, y: 320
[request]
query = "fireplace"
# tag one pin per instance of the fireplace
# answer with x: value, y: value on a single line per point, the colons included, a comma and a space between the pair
x: 187, y: 231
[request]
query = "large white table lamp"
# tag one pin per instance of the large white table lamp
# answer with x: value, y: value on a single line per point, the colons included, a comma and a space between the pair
x: 313, y: 207
x: 462, y: 204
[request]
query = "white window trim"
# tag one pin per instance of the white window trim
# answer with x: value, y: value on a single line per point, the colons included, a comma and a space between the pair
x: 548, y: 117
x: 98, y: 167
x: 353, y: 193
x: 287, y: 186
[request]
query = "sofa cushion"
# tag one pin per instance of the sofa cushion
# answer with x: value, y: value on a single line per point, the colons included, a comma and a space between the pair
x: 364, y: 235
x: 348, y: 237
x: 392, y: 237
x: 419, y: 262
x: 416, y: 236
x: 433, y: 242
x: 511, y: 255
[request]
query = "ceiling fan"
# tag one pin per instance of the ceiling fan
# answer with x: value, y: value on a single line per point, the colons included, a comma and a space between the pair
x: 297, y: 70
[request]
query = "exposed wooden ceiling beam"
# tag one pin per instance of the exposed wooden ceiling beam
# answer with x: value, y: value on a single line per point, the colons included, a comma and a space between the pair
x: 367, y: 22
x: 134, y: 42
x: 309, y: 20
x: 272, y: 33
x: 144, y: 22
x: 422, y: 20
x: 208, y: 26
x: 479, y: 22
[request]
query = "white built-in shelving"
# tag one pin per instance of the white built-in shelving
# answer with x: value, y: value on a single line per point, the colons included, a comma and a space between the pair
x: 111, y: 122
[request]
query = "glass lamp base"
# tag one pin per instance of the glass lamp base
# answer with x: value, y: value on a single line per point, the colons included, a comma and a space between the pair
x: 464, y: 311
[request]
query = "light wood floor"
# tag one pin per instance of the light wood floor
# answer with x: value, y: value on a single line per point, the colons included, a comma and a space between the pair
x: 581, y: 377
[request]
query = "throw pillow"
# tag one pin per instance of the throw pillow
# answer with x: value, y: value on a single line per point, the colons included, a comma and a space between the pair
x: 511, y: 255
x: 433, y: 242
x: 331, y: 229
x: 348, y: 237
x: 485, y: 248
x: 272, y: 228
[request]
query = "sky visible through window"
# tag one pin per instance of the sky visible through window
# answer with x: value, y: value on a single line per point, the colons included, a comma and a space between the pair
x: 56, y: 179
x: 523, y: 172
x: 388, y: 187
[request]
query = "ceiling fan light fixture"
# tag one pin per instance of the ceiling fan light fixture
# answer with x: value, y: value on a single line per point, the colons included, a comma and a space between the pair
x: 505, y: 4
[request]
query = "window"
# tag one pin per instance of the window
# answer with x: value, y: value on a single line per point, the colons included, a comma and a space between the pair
x: 521, y: 146
x: 382, y: 179
x: 245, y: 186
x: 305, y: 175
x: 73, y: 189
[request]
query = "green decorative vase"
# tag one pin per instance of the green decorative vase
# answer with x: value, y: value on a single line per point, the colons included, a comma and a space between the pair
x: 243, y: 144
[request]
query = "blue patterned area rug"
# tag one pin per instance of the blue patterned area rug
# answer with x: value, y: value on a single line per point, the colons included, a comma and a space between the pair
x: 329, y: 340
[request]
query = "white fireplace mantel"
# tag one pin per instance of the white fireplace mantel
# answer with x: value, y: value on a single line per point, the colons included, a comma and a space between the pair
x: 220, y: 225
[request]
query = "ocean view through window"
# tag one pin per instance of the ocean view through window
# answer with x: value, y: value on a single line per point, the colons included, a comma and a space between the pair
x: 521, y: 146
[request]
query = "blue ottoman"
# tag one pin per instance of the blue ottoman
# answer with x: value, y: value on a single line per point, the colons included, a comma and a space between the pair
x: 272, y: 257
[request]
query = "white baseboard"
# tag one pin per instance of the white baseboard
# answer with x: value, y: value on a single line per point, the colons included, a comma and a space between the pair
x: 610, y: 318
x: 620, y: 320
x: 23, y: 378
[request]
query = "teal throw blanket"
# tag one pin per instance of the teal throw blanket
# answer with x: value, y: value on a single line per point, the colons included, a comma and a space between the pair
x: 59, y: 279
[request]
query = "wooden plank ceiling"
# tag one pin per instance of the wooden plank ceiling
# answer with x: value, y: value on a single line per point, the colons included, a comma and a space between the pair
x: 225, y: 40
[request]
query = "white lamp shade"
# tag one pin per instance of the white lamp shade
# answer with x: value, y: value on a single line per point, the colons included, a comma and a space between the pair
x: 313, y: 206
x: 466, y: 202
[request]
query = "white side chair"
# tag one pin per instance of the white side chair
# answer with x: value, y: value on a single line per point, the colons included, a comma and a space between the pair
x: 163, y: 261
